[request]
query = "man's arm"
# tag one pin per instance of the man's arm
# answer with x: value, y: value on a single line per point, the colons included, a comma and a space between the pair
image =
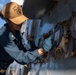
x: 20, y: 56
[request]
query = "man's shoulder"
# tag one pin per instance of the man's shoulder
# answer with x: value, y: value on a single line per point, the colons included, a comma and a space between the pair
x: 2, y: 30
x: 3, y: 33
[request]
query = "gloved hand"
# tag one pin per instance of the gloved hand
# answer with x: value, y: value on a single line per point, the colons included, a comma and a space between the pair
x: 47, y: 44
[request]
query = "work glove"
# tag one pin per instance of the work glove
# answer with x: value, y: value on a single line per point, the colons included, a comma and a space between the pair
x: 47, y: 44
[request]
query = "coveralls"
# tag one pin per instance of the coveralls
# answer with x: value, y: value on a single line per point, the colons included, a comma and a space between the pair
x: 12, y: 47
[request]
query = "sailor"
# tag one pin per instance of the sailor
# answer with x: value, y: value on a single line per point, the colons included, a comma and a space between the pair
x: 11, y: 42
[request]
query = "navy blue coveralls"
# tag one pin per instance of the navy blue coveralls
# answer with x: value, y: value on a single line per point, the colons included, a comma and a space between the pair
x: 12, y: 48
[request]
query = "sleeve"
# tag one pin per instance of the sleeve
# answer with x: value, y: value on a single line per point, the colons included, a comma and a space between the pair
x: 19, y: 55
